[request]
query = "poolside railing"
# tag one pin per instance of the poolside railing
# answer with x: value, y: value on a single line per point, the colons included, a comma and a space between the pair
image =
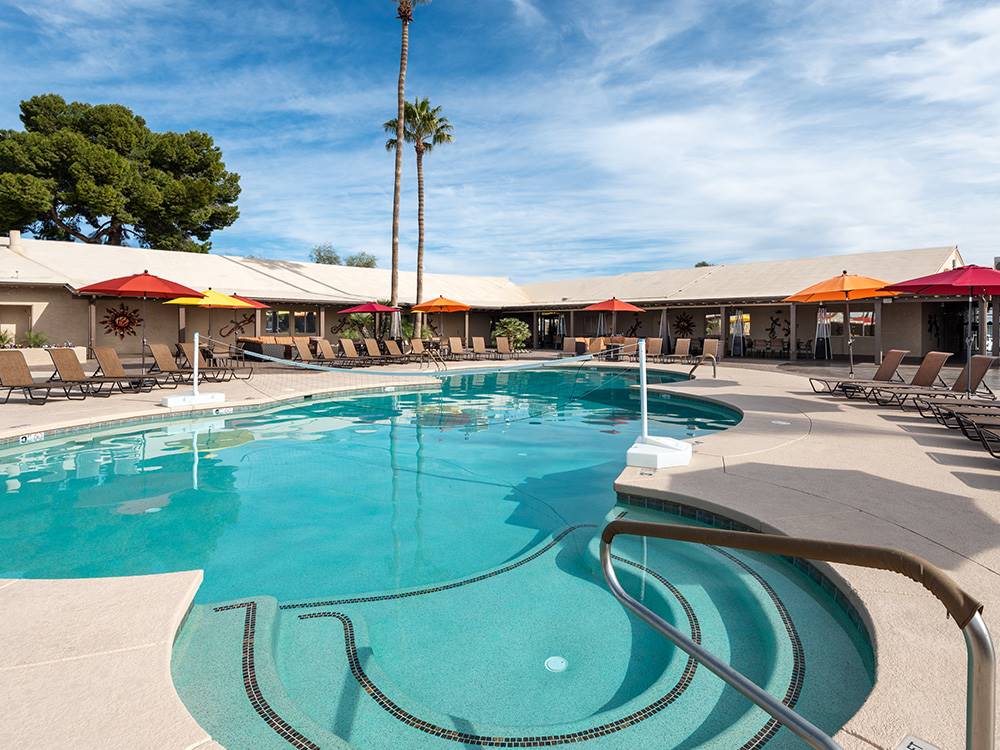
x: 961, y: 606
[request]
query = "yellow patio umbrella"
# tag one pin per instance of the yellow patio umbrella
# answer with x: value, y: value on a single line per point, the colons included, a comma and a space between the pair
x: 212, y: 300
x: 843, y: 288
x: 441, y: 305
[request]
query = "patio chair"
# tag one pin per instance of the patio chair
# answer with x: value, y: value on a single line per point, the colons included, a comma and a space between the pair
x: 946, y: 410
x: 885, y: 373
x: 69, y: 370
x: 504, y: 350
x: 682, y: 350
x: 395, y: 352
x: 350, y: 353
x: 969, y: 382
x: 479, y: 348
x: 654, y: 350
x: 208, y: 371
x: 926, y: 376
x: 15, y: 375
x: 985, y: 429
x: 568, y: 346
x: 326, y: 354
x: 457, y: 350
x: 304, y: 353
x: 110, y: 365
x: 165, y: 364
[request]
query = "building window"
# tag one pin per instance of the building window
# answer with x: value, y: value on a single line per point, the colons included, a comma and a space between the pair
x: 276, y: 321
x: 305, y: 323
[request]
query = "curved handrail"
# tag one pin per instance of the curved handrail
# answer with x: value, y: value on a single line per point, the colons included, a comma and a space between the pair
x: 965, y: 609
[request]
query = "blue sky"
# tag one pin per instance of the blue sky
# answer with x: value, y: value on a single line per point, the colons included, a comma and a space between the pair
x: 592, y: 137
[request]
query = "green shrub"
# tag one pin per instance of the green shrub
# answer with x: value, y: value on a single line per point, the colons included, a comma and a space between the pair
x: 515, y: 329
x: 6, y: 338
x: 35, y: 339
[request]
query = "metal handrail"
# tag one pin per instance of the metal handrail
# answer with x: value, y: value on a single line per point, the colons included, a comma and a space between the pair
x: 967, y: 612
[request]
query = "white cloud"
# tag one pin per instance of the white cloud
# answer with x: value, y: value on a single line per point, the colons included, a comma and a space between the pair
x: 528, y: 12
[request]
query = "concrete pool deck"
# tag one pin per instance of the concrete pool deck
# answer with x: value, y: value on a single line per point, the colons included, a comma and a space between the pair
x: 87, y: 661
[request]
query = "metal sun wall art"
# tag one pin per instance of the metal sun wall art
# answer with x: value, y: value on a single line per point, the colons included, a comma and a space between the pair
x: 121, y: 321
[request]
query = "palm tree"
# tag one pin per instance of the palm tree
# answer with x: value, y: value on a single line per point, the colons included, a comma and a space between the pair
x: 404, y: 12
x: 425, y: 128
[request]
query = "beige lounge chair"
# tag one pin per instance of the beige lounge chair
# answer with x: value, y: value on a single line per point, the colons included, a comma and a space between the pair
x: 456, y: 349
x: 654, y: 350
x: 926, y: 376
x: 395, y: 352
x: 479, y: 348
x: 885, y: 373
x: 165, y: 364
x: 215, y: 373
x: 15, y: 375
x: 970, y: 381
x: 351, y: 353
x: 110, y: 365
x: 569, y: 345
x: 682, y: 350
x: 504, y: 350
x: 69, y: 370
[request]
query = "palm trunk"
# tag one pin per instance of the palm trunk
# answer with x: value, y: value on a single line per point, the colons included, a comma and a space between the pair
x: 420, y: 235
x: 400, y: 122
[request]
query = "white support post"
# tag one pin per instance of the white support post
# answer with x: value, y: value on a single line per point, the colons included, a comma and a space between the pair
x: 195, y: 397
x: 194, y: 365
x: 654, y: 452
x: 643, y: 391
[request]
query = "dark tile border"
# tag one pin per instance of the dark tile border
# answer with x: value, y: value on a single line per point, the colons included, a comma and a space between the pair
x: 724, y: 522
x: 296, y: 739
x: 257, y: 700
x: 583, y: 735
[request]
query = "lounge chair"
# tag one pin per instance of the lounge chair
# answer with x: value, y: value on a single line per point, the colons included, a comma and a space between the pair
x: 376, y: 355
x: 926, y: 376
x: 682, y: 350
x: 969, y: 382
x: 947, y: 410
x: 504, y: 350
x: 596, y: 346
x: 569, y: 346
x: 985, y: 429
x: 395, y: 352
x: 654, y: 350
x: 456, y: 350
x: 15, y: 375
x: 165, y: 364
x: 885, y: 373
x: 304, y: 353
x: 327, y: 355
x: 213, y: 373
x: 479, y: 348
x: 110, y: 365
x: 69, y: 370
x: 351, y: 354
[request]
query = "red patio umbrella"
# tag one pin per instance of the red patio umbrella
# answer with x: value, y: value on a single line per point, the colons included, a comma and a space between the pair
x: 370, y: 307
x: 613, y: 306
x: 252, y: 302
x: 144, y: 285
x: 968, y: 280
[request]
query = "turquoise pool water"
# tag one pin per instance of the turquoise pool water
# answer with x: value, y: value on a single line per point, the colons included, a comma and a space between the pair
x: 393, y: 571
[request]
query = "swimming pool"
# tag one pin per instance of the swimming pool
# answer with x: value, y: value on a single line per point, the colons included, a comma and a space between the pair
x: 420, y: 570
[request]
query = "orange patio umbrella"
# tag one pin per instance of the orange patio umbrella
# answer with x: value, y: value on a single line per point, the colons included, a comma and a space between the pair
x: 440, y: 305
x: 843, y: 288
x: 614, y: 306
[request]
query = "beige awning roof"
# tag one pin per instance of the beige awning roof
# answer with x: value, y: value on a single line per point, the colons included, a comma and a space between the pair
x: 76, y: 265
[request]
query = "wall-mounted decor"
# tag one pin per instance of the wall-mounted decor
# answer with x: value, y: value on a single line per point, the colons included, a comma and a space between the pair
x: 121, y: 321
x: 683, y: 325
x: 237, y: 327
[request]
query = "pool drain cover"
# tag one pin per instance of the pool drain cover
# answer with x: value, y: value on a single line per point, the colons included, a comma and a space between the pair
x: 556, y: 664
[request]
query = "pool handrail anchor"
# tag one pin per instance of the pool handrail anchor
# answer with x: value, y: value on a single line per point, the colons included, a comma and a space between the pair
x: 963, y: 608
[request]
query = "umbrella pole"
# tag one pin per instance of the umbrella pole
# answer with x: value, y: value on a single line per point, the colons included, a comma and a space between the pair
x: 968, y: 349
x: 850, y: 335
x: 142, y: 345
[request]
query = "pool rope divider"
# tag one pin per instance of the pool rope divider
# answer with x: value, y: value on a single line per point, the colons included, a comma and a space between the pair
x: 296, y: 739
